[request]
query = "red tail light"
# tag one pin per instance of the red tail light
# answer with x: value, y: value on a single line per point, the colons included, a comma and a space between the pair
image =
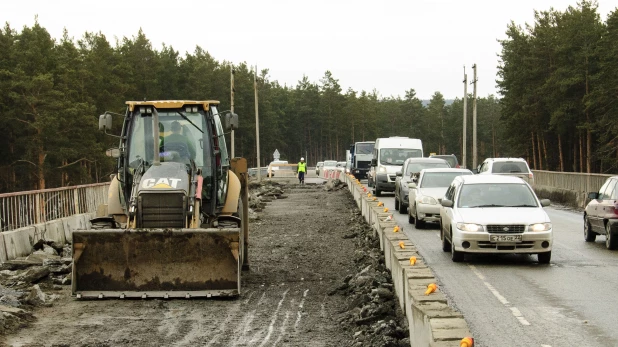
x: 530, y: 175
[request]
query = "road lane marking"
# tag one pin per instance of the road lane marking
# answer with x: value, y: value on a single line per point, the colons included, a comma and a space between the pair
x: 514, y: 310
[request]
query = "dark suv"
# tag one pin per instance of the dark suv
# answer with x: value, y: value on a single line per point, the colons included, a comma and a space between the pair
x: 450, y: 158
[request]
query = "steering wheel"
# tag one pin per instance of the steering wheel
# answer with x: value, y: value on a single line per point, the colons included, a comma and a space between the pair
x: 181, y: 148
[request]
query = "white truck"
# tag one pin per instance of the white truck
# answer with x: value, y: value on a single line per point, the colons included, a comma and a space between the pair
x: 389, y: 153
x: 361, y: 154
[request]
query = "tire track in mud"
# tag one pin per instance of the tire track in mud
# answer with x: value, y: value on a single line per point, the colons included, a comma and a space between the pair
x: 297, y: 257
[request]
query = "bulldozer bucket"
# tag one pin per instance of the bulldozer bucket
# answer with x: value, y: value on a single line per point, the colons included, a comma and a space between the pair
x: 156, y: 263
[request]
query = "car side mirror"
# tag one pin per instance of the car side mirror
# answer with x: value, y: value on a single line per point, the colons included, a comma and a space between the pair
x: 446, y: 203
x: 475, y: 171
x: 399, y: 173
x: 231, y: 121
x: 545, y: 202
x: 593, y: 195
x: 412, y: 185
x: 105, y: 122
x: 374, y: 162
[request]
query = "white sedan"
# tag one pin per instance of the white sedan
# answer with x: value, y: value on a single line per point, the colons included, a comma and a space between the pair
x: 426, y: 191
x: 494, y: 214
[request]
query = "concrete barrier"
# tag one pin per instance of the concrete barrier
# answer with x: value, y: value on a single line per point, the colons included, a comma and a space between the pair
x: 3, y: 255
x: 431, y: 321
x: 19, y: 242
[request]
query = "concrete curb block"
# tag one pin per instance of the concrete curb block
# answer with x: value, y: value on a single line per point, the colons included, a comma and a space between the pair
x: 3, y: 255
x: 18, y: 243
x: 431, y: 321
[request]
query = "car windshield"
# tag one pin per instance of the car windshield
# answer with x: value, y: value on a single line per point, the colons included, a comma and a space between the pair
x: 496, y: 195
x: 330, y: 163
x: 417, y: 167
x: 363, y: 148
x: 396, y: 156
x: 509, y: 167
x: 452, y: 161
x: 439, y: 179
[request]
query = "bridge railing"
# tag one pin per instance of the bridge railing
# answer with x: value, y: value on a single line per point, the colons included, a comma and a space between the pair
x: 568, y: 187
x: 575, y: 181
x: 27, y: 208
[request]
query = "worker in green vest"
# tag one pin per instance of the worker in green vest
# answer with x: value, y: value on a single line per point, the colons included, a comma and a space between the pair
x: 302, y: 169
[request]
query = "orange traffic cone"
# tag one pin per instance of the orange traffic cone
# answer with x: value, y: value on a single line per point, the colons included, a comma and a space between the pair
x: 431, y: 288
x: 380, y: 203
x: 412, y: 260
x: 374, y: 198
x: 386, y: 209
x: 466, y: 342
x: 402, y: 245
x: 396, y: 229
x: 368, y: 194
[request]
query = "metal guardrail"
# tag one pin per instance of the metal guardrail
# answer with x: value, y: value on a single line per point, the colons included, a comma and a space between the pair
x: 27, y: 208
x: 573, y: 181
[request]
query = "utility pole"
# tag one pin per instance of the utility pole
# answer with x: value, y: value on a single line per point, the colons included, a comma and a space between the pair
x: 474, y: 149
x: 465, y: 117
x: 257, y: 126
x: 232, y: 102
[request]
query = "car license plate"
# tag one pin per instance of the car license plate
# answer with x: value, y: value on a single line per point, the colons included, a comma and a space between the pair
x: 505, y: 238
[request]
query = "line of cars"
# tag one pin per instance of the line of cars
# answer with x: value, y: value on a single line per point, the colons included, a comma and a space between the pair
x: 492, y: 209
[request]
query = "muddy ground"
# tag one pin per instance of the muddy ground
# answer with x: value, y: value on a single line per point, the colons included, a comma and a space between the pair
x: 317, y: 278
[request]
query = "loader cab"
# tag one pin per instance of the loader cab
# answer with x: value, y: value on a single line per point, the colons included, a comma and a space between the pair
x: 203, y: 149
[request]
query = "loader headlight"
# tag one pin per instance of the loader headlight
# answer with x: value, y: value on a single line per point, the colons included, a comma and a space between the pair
x: 382, y: 169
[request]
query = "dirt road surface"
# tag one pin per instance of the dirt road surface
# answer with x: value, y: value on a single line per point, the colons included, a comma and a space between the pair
x: 304, y: 254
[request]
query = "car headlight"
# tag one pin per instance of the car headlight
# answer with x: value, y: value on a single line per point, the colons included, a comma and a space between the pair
x: 382, y: 169
x: 469, y: 227
x: 428, y: 200
x: 539, y: 227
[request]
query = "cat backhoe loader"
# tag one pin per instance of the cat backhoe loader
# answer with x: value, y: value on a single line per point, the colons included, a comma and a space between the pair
x: 175, y: 223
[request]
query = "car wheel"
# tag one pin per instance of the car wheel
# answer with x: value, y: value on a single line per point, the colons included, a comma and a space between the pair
x: 402, y: 208
x: 410, y: 218
x: 610, y: 240
x: 456, y: 256
x: 396, y: 203
x: 544, y: 258
x: 418, y: 224
x: 589, y: 235
x: 446, y: 246
x: 377, y: 191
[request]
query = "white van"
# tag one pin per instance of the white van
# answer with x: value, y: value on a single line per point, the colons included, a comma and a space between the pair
x: 389, y: 153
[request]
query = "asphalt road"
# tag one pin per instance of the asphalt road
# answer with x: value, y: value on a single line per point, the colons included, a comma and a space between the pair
x: 511, y: 300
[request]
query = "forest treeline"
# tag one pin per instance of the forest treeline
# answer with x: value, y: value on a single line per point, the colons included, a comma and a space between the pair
x: 556, y: 79
x: 559, y: 84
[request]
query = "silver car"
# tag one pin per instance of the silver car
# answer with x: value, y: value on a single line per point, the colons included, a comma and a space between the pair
x: 494, y: 214
x: 410, y: 169
x: 424, y: 195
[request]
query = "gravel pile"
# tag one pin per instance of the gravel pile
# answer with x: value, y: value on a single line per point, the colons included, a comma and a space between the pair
x: 373, y: 314
x: 32, y: 281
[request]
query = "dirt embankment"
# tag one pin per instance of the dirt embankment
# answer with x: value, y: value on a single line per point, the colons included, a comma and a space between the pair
x: 317, y: 278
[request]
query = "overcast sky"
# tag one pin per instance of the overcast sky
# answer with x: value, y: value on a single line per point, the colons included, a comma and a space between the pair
x: 391, y: 46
